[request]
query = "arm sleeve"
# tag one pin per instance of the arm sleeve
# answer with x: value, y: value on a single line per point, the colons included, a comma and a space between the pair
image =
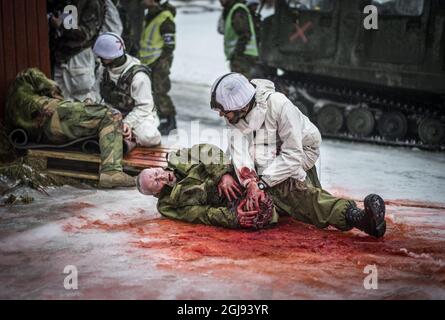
x: 243, y: 164
x: 205, y: 214
x: 240, y: 23
x: 168, y: 33
x: 143, y: 98
x: 290, y: 160
x: 212, y: 159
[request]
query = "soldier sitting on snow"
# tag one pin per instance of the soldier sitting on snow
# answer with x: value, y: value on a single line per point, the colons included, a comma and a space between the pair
x: 35, y: 105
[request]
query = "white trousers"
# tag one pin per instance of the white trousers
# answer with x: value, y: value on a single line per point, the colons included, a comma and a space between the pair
x: 147, y: 134
x: 76, y: 78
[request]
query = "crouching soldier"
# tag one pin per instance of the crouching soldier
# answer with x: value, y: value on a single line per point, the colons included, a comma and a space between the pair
x: 125, y: 85
x: 35, y: 105
x: 274, y: 147
x: 190, y: 189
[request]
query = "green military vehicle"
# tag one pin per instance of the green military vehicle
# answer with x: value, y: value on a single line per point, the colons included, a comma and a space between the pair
x: 385, y: 85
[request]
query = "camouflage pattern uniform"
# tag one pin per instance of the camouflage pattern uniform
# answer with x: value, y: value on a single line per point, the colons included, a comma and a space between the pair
x: 33, y: 105
x: 161, y: 67
x: 309, y: 203
x: 240, y: 62
x: 194, y: 198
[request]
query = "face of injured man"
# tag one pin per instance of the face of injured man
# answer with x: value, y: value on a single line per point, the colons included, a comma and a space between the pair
x: 151, y: 181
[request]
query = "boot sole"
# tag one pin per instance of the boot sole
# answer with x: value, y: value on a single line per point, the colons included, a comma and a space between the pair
x: 375, y: 209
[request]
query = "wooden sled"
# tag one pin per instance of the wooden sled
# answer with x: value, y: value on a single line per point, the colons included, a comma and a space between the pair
x: 75, y: 164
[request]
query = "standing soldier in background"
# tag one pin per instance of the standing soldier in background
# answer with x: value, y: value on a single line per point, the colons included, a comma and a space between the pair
x: 240, y: 42
x: 74, y: 61
x: 156, y: 51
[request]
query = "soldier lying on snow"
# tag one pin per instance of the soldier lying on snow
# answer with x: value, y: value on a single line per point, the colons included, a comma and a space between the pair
x: 188, y: 190
x: 35, y: 105
x: 196, y: 191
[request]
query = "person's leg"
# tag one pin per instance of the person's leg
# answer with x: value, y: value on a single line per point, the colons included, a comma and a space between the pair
x: 161, y: 86
x: 147, y: 134
x: 243, y: 64
x: 309, y: 204
x: 58, y: 78
x: 73, y: 120
x: 77, y: 77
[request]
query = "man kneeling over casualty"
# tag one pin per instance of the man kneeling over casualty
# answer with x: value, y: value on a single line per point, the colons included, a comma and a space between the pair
x: 35, y: 105
x: 274, y: 147
x: 208, y: 192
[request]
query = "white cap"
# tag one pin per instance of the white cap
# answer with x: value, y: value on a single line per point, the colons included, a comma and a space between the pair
x: 250, y: 2
x: 234, y: 92
x: 109, y: 46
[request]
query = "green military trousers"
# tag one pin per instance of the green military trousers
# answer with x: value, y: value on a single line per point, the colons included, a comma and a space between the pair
x: 73, y: 120
x: 161, y: 86
x: 244, y: 64
x: 309, y: 203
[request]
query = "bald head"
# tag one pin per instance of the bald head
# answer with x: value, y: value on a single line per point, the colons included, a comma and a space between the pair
x: 152, y: 181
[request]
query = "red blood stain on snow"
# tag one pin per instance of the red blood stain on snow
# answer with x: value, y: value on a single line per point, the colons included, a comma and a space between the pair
x: 289, y: 253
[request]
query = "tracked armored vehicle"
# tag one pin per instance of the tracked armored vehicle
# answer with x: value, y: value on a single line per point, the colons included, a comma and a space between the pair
x: 384, y: 86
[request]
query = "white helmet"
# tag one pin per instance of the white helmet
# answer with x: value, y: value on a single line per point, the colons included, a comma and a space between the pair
x: 109, y: 46
x: 232, y: 92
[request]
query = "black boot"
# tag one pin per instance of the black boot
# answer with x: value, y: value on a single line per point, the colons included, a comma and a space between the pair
x: 167, y: 124
x: 372, y: 219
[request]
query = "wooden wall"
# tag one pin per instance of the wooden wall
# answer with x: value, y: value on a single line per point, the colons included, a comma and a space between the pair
x: 23, y: 41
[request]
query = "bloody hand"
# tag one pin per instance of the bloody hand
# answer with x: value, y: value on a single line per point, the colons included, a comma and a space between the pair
x: 229, y: 187
x: 246, y: 219
x: 254, y: 196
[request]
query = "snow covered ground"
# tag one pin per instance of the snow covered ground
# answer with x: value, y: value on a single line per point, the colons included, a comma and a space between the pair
x: 122, y: 248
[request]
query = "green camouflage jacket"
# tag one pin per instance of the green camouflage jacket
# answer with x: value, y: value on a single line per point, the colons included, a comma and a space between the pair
x: 29, y: 97
x: 194, y: 198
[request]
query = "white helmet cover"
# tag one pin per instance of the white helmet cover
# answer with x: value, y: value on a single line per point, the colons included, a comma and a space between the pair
x: 234, y: 92
x: 109, y: 46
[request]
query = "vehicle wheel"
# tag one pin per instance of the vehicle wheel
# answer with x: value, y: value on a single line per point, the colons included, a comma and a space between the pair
x: 393, y: 125
x: 431, y: 131
x: 360, y: 122
x: 330, y: 119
